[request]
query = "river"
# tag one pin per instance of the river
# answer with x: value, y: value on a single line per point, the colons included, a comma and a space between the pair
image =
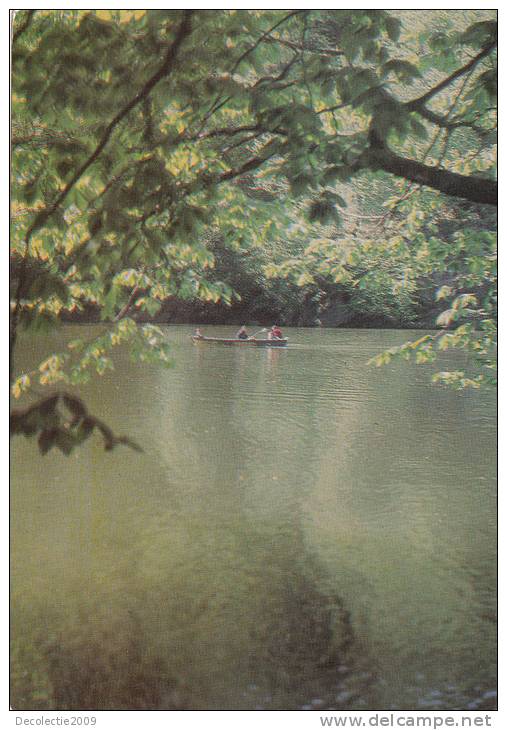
x: 301, y: 531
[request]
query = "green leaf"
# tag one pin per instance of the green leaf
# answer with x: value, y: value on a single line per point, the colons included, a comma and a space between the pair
x: 65, y: 441
x: 480, y: 34
x: 444, y: 319
x: 47, y: 440
x: 75, y: 405
x: 489, y: 82
x: 48, y: 406
x: 443, y: 293
x: 393, y: 27
x: 84, y: 429
x: 402, y: 69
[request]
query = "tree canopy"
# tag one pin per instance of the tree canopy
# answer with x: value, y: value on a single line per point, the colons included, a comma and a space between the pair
x: 139, y: 138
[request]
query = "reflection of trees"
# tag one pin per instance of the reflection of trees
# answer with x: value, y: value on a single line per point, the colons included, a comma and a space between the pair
x: 90, y: 662
x: 219, y: 600
x: 305, y: 651
x: 301, y: 644
x: 110, y: 674
x: 405, y: 507
x: 221, y: 631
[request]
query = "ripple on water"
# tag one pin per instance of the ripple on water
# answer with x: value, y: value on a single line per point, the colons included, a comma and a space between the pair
x: 272, y: 484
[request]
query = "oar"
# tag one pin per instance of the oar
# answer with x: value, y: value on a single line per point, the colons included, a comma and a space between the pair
x: 257, y: 333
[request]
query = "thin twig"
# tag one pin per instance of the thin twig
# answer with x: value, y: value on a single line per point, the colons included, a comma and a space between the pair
x: 417, y: 104
x: 218, y: 103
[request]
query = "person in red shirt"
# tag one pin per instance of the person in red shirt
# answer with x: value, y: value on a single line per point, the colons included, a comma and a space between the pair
x: 275, y: 333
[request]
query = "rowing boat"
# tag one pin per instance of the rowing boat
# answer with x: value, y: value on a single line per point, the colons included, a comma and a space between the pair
x: 236, y: 341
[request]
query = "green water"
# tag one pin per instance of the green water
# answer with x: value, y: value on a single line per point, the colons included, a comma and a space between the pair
x: 302, y: 531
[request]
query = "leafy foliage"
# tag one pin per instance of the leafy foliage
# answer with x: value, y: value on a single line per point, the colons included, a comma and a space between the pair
x: 132, y: 153
x: 64, y: 429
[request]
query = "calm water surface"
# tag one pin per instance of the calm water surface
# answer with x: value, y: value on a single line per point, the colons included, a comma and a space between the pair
x: 302, y: 531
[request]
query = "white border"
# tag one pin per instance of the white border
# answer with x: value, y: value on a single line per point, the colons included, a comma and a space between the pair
x: 239, y: 719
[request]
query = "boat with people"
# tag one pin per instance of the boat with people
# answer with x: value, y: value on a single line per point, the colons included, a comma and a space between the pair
x: 251, y: 341
x: 274, y: 338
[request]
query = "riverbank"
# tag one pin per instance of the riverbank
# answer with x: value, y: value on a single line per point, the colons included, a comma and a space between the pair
x: 191, y: 313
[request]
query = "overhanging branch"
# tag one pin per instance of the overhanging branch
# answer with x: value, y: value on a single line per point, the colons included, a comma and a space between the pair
x: 469, y: 187
x: 251, y: 164
x: 24, y: 26
x: 43, y: 216
x: 418, y: 104
x: 445, y: 123
x: 162, y: 72
x: 219, y: 102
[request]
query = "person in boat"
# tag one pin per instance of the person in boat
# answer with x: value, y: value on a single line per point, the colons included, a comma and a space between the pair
x: 198, y: 333
x: 275, y: 333
x: 242, y: 334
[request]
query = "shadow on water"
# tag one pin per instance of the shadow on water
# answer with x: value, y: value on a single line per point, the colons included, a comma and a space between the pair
x: 301, y: 533
x: 308, y: 653
x: 294, y: 649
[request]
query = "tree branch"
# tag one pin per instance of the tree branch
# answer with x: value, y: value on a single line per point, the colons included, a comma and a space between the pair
x: 283, y: 73
x: 43, y: 216
x: 335, y: 107
x: 418, y: 104
x: 445, y: 123
x: 411, y: 187
x: 221, y: 132
x: 265, y: 35
x: 251, y: 164
x: 123, y: 311
x: 217, y: 104
x: 304, y: 47
x: 24, y: 26
x: 475, y: 189
x: 162, y: 72
x: 243, y: 141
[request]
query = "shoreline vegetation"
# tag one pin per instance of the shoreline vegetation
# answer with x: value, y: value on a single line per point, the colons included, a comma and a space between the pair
x: 310, y: 167
x: 181, y: 313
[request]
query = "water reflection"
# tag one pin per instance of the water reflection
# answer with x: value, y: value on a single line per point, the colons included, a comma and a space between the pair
x: 190, y: 610
x: 301, y: 532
